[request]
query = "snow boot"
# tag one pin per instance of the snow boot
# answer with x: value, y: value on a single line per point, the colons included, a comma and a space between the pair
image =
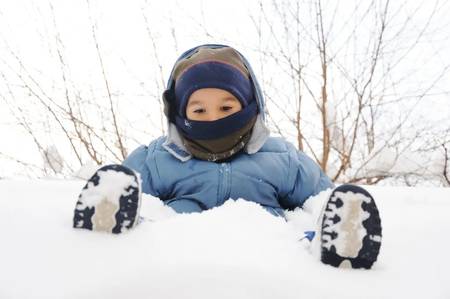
x: 351, y: 229
x: 109, y: 201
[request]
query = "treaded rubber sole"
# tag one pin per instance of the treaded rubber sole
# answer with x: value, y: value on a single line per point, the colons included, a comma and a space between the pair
x: 351, y: 229
x: 109, y: 201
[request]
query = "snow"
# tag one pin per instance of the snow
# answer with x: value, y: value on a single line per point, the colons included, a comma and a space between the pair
x: 87, y: 170
x: 234, y: 251
x: 113, y: 185
x: 429, y: 165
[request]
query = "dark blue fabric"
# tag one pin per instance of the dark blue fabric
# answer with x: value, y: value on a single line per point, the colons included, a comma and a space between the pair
x: 212, y: 74
x: 204, y: 130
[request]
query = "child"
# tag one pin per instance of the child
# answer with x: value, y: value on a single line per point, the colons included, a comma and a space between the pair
x: 218, y: 147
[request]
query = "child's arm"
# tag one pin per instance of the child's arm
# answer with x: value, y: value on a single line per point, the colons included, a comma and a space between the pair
x: 143, y: 161
x: 305, y: 179
x: 137, y: 161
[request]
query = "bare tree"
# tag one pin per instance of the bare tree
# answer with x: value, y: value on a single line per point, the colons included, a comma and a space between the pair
x: 446, y: 170
x: 334, y: 78
x: 90, y: 119
x: 349, y: 70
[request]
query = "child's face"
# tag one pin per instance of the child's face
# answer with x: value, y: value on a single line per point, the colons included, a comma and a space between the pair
x: 209, y: 104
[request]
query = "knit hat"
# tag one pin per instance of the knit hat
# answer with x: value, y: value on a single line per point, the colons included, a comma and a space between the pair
x: 211, y: 68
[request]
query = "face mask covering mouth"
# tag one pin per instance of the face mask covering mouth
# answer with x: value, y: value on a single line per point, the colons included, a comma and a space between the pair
x: 222, y: 148
x: 204, y: 130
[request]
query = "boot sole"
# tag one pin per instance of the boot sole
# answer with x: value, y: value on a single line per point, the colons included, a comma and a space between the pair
x: 351, y: 229
x: 110, y: 201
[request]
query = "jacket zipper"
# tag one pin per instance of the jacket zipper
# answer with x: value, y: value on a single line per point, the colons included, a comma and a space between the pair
x: 224, y: 183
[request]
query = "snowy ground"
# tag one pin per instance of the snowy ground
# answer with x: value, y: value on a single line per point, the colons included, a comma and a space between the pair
x: 235, y: 251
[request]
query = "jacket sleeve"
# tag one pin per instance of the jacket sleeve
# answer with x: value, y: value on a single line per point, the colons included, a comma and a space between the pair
x: 138, y: 161
x: 305, y: 179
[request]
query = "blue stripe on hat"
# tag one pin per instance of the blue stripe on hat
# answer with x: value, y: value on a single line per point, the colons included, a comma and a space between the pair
x: 212, y: 74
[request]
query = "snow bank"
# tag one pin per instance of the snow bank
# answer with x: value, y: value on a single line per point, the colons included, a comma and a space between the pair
x: 235, y: 251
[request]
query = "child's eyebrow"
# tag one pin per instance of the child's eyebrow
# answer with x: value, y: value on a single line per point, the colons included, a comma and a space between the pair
x: 194, y: 102
x: 230, y: 99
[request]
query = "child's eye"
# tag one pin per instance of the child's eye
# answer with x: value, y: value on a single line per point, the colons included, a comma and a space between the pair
x: 199, y: 110
x: 227, y: 108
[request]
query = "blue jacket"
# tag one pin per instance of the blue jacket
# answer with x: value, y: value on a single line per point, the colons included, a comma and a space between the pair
x: 277, y: 177
x: 269, y: 171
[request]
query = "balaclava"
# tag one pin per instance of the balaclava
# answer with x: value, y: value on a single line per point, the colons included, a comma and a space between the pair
x: 214, y: 68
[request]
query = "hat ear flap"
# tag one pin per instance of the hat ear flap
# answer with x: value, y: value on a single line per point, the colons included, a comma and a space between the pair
x: 254, y: 92
x: 168, y: 97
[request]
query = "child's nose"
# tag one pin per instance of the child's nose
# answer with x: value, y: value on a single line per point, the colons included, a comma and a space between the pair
x: 212, y: 116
